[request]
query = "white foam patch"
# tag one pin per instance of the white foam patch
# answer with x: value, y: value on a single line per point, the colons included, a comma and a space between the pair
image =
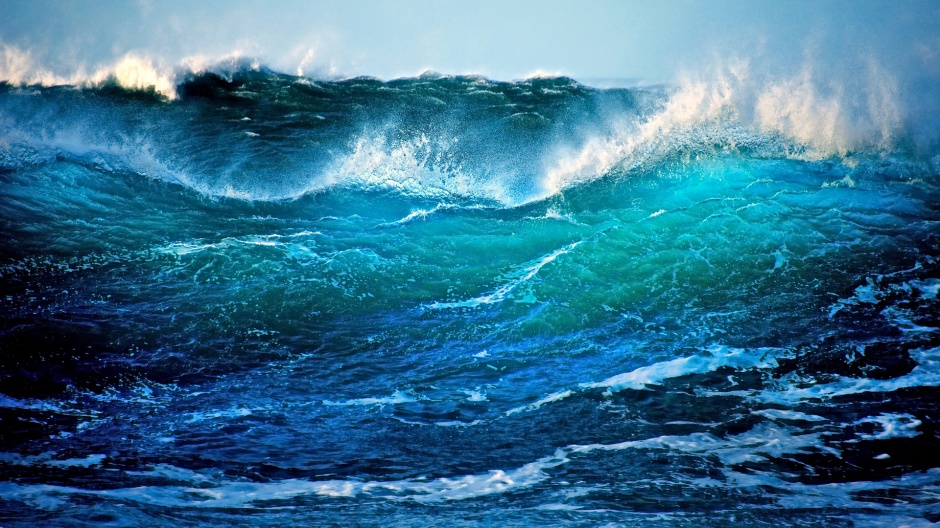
x: 414, y: 215
x: 423, y: 214
x: 182, y: 249
x: 892, y: 426
x: 132, y: 71
x: 517, y: 278
x: 760, y: 443
x: 655, y: 374
x: 395, y: 398
x: 234, y: 412
x: 780, y: 259
x: 925, y: 374
x: 457, y: 423
x: 763, y: 442
x: 32, y: 405
x: 781, y: 414
x: 46, y: 459
x: 284, y: 242
x: 557, y: 396
x: 421, y: 166
x: 928, y: 288
x: 876, y: 289
x: 918, y: 489
x: 243, y: 494
x: 475, y: 395
x: 88, y: 461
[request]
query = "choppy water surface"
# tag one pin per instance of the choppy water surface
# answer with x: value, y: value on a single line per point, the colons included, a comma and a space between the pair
x: 455, y: 301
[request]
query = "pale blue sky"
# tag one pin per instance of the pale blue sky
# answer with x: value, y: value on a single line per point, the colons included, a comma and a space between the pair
x: 501, y: 39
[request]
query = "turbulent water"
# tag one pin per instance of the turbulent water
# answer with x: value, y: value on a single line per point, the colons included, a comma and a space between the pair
x: 451, y: 301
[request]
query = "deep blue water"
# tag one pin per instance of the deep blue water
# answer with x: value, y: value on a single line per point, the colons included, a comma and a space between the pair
x: 449, y: 301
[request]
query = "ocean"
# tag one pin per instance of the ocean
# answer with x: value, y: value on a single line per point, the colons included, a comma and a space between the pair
x: 259, y: 299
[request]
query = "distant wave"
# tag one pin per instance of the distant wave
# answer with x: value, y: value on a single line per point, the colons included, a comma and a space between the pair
x: 131, y: 72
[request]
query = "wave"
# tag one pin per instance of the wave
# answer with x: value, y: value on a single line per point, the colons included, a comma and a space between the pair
x: 135, y: 72
x: 262, y: 135
x: 803, y: 116
x: 763, y: 443
x: 201, y: 492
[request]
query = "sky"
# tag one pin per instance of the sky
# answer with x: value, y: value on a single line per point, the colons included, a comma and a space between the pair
x: 587, y: 39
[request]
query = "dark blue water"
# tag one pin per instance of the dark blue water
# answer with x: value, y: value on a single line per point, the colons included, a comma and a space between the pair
x: 449, y: 301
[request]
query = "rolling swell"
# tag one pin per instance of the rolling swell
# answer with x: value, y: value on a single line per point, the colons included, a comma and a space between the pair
x: 432, y: 135
x: 463, y: 299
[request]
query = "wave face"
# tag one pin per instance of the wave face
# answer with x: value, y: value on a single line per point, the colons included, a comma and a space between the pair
x: 456, y: 301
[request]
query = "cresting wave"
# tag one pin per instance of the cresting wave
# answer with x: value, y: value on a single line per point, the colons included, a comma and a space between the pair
x: 803, y: 116
x: 131, y: 72
x: 442, y: 137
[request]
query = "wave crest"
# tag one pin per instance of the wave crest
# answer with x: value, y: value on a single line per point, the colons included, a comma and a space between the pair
x: 132, y: 71
x: 271, y: 137
x: 807, y: 115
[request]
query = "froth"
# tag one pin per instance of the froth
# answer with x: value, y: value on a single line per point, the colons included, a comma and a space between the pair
x: 677, y: 124
x: 132, y: 71
x: 807, y: 114
x: 420, y: 166
x: 18, y: 67
x: 136, y: 73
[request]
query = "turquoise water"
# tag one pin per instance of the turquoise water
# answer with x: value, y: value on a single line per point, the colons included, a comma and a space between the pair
x: 455, y: 301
